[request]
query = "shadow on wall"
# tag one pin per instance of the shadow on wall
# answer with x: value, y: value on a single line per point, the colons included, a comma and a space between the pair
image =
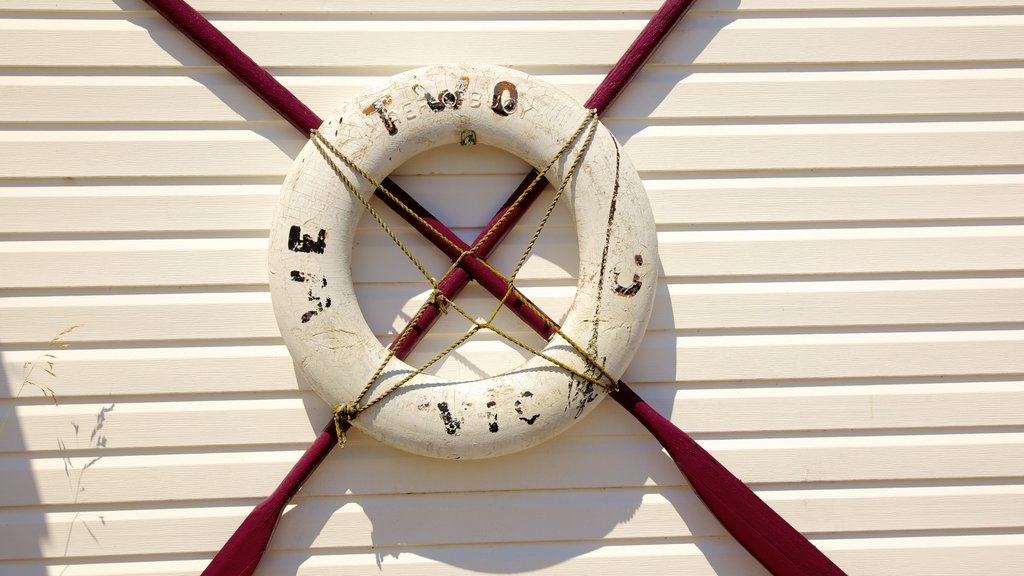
x: 221, y: 84
x: 37, y: 544
x: 522, y: 512
x: 509, y: 514
x: 527, y: 511
x: 23, y: 529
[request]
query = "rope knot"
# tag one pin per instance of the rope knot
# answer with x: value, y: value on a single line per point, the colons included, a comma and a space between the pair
x: 344, y: 414
x: 437, y: 298
x: 347, y: 412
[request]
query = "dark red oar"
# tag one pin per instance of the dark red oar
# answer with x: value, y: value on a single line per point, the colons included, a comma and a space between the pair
x: 767, y: 536
x: 756, y: 526
x: 242, y: 552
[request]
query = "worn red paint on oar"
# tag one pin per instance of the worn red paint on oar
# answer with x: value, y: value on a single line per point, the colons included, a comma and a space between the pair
x: 771, y: 540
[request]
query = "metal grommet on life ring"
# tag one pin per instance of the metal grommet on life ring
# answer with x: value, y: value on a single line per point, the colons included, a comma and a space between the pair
x: 311, y: 255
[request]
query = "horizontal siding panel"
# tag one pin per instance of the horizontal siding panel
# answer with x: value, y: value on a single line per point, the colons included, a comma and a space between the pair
x: 497, y: 7
x: 851, y: 251
x: 895, y: 556
x: 161, y: 208
x: 516, y: 517
x: 665, y: 94
x: 208, y: 262
x: 242, y: 261
x: 291, y: 421
x: 114, y: 153
x: 837, y: 409
x: 663, y: 357
x: 741, y: 202
x: 824, y: 146
x: 199, y: 423
x: 888, y: 303
x: 658, y: 94
x: 171, y: 370
x: 727, y: 39
x: 366, y: 467
x: 898, y: 354
x: 735, y: 306
x: 906, y: 556
x: 141, y: 317
x: 269, y: 152
x: 147, y: 41
x: 51, y: 210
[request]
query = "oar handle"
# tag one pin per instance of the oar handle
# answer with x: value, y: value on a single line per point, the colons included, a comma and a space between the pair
x: 633, y: 59
x: 219, y: 47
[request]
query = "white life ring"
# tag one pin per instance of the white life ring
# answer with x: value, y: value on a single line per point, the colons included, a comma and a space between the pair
x: 311, y: 253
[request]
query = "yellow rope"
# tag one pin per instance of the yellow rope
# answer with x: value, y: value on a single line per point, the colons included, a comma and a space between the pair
x: 348, y: 411
x: 544, y: 219
x: 366, y: 204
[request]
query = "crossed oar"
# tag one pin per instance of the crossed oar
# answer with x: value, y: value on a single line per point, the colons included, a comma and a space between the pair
x: 765, y: 534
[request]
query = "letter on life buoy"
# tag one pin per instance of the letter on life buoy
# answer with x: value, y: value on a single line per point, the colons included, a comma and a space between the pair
x: 311, y: 255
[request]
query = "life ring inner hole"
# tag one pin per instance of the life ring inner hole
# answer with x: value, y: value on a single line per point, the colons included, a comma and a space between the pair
x: 464, y: 186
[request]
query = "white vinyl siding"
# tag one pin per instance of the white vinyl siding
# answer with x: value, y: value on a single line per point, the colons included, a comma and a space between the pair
x: 839, y: 192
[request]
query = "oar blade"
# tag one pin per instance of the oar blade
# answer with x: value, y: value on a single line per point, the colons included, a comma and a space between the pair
x: 754, y: 524
x: 242, y: 552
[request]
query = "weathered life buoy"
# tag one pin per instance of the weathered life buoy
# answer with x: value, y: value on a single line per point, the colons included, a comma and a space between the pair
x: 311, y: 254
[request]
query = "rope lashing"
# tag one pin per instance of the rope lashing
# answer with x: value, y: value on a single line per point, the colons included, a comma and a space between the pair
x: 768, y: 537
x: 347, y: 412
x: 437, y: 298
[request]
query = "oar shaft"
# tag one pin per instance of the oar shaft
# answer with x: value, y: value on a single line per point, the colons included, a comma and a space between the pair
x: 472, y: 265
x: 219, y: 47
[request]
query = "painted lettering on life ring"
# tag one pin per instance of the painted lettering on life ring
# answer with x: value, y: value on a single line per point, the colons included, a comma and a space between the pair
x: 380, y: 108
x: 446, y: 98
x: 317, y: 300
x: 299, y: 242
x: 505, y: 98
x: 324, y: 327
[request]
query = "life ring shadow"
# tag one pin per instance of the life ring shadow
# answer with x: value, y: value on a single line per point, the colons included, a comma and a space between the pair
x: 525, y: 511
x: 534, y: 509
